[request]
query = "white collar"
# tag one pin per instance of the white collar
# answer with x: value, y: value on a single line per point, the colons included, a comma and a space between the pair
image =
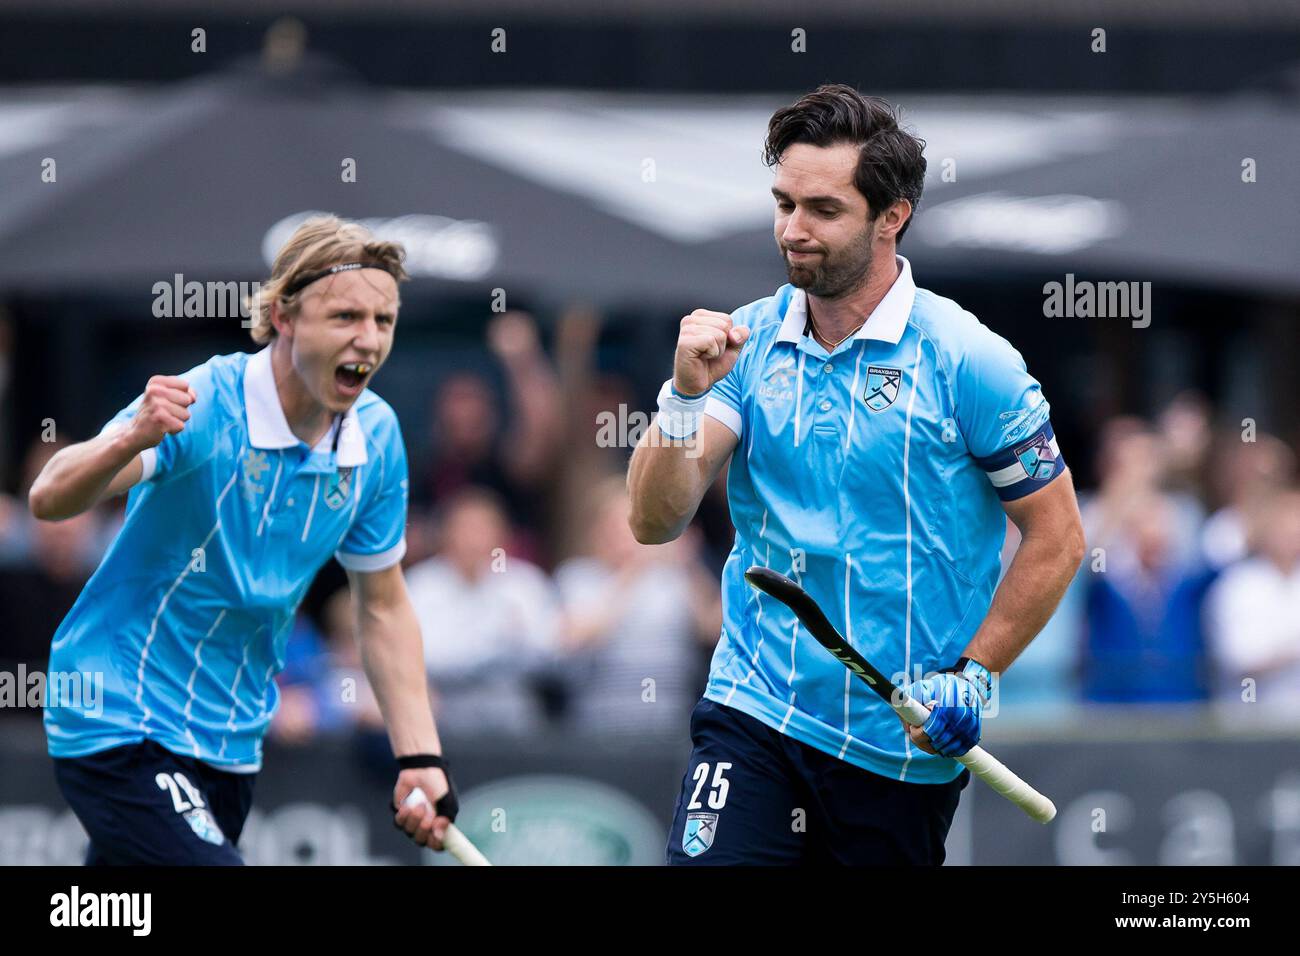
x: 885, y: 323
x: 268, y: 428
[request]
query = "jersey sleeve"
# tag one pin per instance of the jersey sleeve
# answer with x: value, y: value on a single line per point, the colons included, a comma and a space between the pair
x: 1004, y: 418
x: 376, y: 539
x: 179, y: 453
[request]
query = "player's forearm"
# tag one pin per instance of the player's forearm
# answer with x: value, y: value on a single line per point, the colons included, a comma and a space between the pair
x: 665, y: 483
x: 668, y: 477
x: 77, y: 476
x: 393, y: 657
x: 1040, y: 573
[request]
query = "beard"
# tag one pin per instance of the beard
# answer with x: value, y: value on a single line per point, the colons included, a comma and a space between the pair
x: 838, y: 272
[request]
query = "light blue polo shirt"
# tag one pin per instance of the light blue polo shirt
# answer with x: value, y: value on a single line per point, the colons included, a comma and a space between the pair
x: 874, y: 477
x: 185, y: 620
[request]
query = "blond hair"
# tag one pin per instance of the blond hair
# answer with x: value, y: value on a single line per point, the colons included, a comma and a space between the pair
x: 320, y: 242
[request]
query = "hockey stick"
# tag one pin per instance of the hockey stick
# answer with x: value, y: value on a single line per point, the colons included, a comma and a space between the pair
x: 978, y: 760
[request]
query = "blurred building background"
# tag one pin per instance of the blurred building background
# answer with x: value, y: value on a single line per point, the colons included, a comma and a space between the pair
x: 567, y: 189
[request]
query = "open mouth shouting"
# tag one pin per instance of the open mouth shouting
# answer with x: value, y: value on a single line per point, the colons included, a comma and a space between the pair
x: 351, y: 377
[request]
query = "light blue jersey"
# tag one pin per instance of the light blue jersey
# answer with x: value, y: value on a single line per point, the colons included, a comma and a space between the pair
x: 874, y: 477
x: 186, y: 619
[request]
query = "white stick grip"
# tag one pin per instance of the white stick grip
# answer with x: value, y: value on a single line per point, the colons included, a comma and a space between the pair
x: 995, y: 773
x: 987, y: 767
x: 455, y: 842
x: 458, y: 845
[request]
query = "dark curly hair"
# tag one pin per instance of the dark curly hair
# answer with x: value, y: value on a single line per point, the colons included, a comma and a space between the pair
x: 890, y: 161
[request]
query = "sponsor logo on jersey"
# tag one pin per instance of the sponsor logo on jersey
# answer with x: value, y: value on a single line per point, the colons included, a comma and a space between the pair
x: 778, y: 383
x: 1022, y: 421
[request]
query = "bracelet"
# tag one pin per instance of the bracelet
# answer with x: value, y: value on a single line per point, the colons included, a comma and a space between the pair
x: 679, y: 415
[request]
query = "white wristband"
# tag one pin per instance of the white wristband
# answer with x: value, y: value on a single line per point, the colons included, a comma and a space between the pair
x: 679, y: 418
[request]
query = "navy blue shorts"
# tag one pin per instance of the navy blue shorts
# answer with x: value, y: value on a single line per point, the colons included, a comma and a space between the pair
x: 144, y: 805
x: 753, y: 796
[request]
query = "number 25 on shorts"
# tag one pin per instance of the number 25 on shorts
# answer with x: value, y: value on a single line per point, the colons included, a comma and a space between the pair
x: 717, y: 797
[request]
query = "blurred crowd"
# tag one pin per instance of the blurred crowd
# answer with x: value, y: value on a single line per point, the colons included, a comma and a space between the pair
x: 1190, y: 590
x: 539, y: 609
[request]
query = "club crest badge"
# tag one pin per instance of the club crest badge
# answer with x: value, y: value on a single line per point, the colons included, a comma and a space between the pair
x: 699, y: 833
x: 336, y: 495
x: 882, y: 387
x: 205, y: 826
x: 1037, y: 458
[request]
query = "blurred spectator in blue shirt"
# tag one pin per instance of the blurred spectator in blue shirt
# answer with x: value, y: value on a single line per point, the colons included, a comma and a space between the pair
x: 1132, y: 465
x: 1143, y: 635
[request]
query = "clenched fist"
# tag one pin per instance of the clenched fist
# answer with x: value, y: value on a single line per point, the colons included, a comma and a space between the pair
x: 707, y: 348
x: 163, y: 411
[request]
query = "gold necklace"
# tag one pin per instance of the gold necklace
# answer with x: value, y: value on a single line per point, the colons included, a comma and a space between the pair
x: 832, y: 348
